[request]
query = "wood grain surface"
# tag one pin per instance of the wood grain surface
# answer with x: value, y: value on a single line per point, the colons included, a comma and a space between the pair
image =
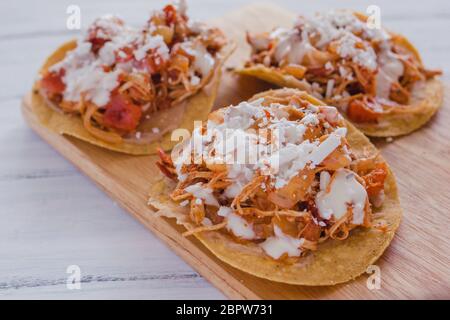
x: 416, y: 265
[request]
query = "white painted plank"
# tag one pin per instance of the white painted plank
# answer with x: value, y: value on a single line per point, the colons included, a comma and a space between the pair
x: 52, y: 221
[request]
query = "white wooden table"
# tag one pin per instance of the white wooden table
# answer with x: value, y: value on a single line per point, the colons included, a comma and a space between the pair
x: 52, y: 217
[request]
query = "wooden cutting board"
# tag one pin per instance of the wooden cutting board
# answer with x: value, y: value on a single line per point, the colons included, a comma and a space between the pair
x: 417, y: 263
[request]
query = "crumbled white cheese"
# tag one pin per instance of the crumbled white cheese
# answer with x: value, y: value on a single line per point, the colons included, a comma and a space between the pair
x: 224, y: 211
x: 207, y: 222
x: 345, y: 73
x: 107, y: 53
x: 292, y: 46
x: 247, y: 151
x: 152, y: 43
x: 195, y: 80
x: 324, y: 149
x: 324, y: 180
x: 92, y: 81
x: 310, y: 119
x: 107, y: 26
x: 347, y: 49
x: 329, y: 90
x: 203, y: 60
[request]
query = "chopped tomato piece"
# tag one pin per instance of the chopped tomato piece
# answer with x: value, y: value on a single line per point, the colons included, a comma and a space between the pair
x: 171, y: 14
x: 357, y: 111
x: 97, y: 43
x: 375, y: 179
x: 52, y: 82
x: 121, y: 114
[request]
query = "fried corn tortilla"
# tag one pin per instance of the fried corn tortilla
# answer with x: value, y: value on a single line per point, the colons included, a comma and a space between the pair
x: 183, y: 116
x: 333, y: 262
x: 425, y: 98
